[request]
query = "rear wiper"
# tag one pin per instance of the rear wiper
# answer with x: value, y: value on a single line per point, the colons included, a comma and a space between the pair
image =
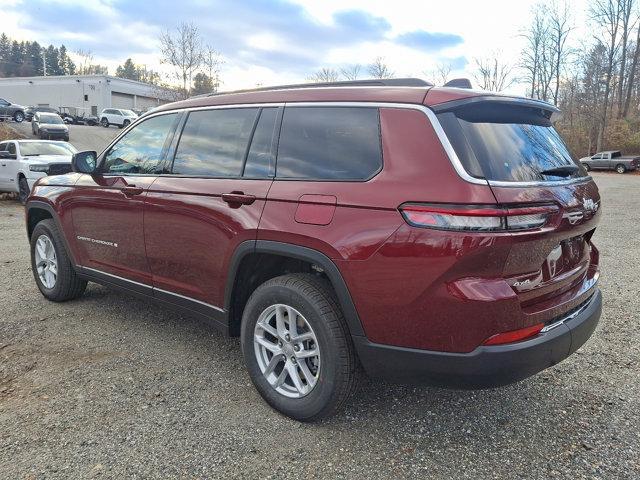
x: 563, y: 171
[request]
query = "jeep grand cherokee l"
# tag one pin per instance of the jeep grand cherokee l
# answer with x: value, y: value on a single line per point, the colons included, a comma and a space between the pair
x: 422, y: 233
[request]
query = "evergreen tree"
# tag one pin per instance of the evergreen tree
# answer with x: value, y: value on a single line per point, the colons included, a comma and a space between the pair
x: 34, y: 58
x: 5, y: 53
x: 16, y: 56
x: 51, y: 56
x: 128, y: 70
x: 202, y: 84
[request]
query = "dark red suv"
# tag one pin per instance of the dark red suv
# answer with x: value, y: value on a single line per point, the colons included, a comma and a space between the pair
x: 419, y: 233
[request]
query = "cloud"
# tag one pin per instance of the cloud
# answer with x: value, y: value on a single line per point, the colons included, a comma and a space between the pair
x: 252, y: 35
x: 428, y: 41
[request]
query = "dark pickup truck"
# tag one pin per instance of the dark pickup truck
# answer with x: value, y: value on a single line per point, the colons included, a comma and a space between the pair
x: 611, y: 160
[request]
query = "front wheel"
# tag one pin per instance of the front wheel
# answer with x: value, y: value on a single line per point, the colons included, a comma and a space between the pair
x: 297, y: 347
x: 620, y: 168
x: 18, y: 117
x: 52, y: 269
x: 104, y: 122
x: 587, y: 167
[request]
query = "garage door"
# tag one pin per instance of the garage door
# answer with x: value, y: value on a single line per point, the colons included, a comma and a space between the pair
x: 121, y: 100
x: 145, y: 103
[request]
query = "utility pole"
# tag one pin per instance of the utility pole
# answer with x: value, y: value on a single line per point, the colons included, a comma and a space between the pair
x: 44, y: 63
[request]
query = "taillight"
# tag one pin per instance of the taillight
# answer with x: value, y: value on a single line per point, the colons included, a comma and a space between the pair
x: 514, y: 335
x: 478, y: 218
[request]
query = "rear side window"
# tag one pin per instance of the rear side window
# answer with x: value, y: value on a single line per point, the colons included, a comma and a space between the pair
x: 507, y: 143
x: 214, y: 142
x: 259, y: 158
x: 329, y: 143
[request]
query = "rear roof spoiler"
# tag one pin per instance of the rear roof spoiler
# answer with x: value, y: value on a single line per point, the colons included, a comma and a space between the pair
x: 554, y: 113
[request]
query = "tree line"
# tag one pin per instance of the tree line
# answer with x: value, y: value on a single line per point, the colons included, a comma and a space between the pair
x: 30, y: 59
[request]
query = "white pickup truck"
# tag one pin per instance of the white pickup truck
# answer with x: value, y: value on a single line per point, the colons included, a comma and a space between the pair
x: 611, y: 160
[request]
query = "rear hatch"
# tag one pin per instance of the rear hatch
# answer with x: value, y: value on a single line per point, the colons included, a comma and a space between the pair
x: 513, y: 145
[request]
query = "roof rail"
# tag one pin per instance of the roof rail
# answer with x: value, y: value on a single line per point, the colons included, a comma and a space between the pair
x: 373, y: 82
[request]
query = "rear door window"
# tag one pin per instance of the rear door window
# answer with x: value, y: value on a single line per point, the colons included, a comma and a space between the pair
x: 214, y: 142
x: 259, y: 158
x: 507, y: 143
x: 329, y: 143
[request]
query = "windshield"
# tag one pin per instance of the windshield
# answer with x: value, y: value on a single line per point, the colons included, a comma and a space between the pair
x: 28, y: 149
x: 516, y: 144
x: 51, y: 119
x: 128, y: 113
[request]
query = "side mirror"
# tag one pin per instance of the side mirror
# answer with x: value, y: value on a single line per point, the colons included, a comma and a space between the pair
x: 5, y: 154
x: 85, y: 162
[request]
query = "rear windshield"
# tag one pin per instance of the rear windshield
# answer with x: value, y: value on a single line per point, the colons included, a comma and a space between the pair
x: 507, y: 143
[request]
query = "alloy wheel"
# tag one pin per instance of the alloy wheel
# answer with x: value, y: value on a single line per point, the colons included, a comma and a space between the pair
x: 287, y: 351
x: 46, y: 261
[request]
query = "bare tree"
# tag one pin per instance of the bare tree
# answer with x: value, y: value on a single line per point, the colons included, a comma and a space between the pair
x: 325, y: 75
x: 379, y: 69
x: 626, y: 11
x: 352, y: 72
x: 84, y: 60
x: 632, y: 74
x: 212, y: 61
x: 535, y: 37
x: 559, y: 29
x: 607, y: 14
x: 440, y: 74
x: 183, y: 51
x: 492, y: 73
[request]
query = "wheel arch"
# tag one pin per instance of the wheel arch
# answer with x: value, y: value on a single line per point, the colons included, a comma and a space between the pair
x: 247, y: 250
x: 35, y: 212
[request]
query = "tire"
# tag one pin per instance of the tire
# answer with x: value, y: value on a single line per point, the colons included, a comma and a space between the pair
x: 587, y: 167
x: 18, y: 117
x: 67, y: 284
x: 66, y: 139
x: 620, y: 168
x: 125, y: 124
x: 104, y: 122
x: 23, y: 190
x: 335, y: 369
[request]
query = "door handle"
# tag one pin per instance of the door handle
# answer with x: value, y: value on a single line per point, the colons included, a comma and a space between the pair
x: 132, y: 190
x: 238, y: 198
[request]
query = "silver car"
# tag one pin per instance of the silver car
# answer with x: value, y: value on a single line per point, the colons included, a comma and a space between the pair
x: 49, y: 126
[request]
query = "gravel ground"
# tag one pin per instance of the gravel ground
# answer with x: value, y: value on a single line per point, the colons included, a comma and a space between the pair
x: 83, y: 137
x: 110, y: 386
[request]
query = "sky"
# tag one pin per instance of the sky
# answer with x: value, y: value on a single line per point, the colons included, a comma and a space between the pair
x: 270, y: 42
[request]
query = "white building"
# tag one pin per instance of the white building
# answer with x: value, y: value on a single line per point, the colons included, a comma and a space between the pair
x: 86, y: 93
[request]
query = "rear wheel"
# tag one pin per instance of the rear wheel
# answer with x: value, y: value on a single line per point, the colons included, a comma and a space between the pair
x: 18, y: 117
x: 52, y: 269
x: 620, y: 168
x: 23, y: 190
x: 297, y: 348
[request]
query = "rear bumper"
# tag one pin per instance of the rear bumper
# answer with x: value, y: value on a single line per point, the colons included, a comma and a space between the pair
x: 486, y: 366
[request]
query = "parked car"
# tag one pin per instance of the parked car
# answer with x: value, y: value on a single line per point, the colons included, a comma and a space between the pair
x: 71, y: 115
x: 22, y: 162
x: 31, y: 110
x: 114, y: 116
x: 406, y: 230
x: 611, y: 160
x: 11, y: 111
x: 49, y: 126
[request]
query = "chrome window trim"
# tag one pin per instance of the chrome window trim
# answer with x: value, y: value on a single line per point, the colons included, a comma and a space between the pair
x: 153, y: 289
x: 428, y: 112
